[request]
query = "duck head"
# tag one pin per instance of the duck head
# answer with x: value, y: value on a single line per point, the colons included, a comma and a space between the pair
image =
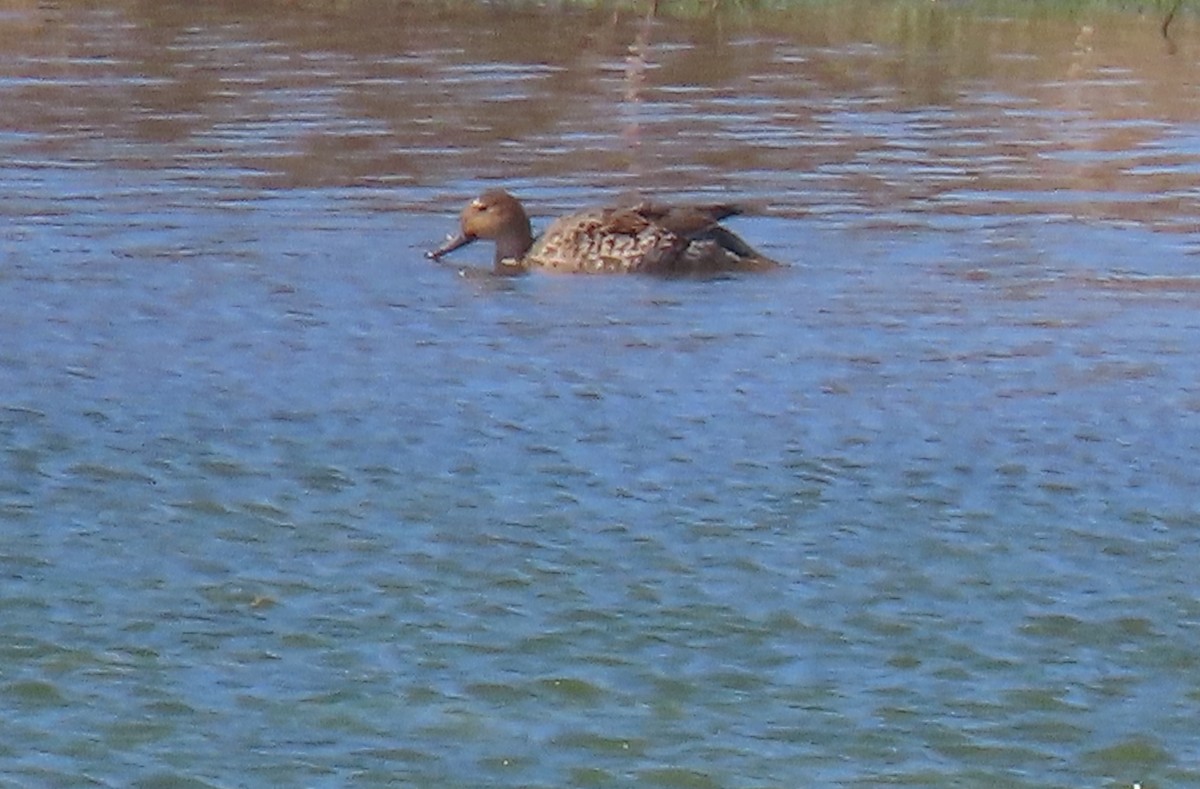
x: 496, y: 216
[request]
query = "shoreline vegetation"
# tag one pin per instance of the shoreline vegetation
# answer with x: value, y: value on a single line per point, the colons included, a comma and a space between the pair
x: 1015, y: 8
x: 1171, y: 16
x: 886, y: 20
x: 1165, y: 9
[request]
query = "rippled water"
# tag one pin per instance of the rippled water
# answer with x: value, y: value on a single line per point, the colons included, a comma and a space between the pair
x: 285, y: 504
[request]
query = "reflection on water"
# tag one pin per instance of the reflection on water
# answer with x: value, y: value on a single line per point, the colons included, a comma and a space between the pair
x: 286, y: 504
x: 936, y: 113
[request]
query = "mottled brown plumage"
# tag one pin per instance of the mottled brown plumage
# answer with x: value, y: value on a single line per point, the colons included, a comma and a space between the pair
x: 634, y: 236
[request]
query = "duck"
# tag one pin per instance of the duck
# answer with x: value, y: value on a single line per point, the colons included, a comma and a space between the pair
x: 630, y: 236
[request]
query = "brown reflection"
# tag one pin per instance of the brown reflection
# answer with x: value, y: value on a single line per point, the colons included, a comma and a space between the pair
x: 873, y: 108
x: 636, y: 67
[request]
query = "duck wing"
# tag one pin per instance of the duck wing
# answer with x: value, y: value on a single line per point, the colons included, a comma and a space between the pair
x: 687, y: 220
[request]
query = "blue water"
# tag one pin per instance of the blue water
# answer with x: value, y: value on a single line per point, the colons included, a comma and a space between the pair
x: 286, y: 504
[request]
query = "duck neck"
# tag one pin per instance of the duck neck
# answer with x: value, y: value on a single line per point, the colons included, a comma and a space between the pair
x: 512, y: 245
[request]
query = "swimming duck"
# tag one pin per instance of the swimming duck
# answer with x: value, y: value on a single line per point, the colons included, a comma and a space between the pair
x: 634, y: 236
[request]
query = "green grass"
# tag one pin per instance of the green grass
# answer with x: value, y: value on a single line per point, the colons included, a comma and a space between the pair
x: 1013, y: 8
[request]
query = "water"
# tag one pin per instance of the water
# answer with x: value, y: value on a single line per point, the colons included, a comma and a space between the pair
x: 285, y: 504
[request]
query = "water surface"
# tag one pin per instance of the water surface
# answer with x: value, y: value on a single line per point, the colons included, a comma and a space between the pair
x: 285, y: 504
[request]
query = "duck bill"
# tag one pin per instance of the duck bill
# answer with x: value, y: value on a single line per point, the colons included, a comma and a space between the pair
x: 452, y: 243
